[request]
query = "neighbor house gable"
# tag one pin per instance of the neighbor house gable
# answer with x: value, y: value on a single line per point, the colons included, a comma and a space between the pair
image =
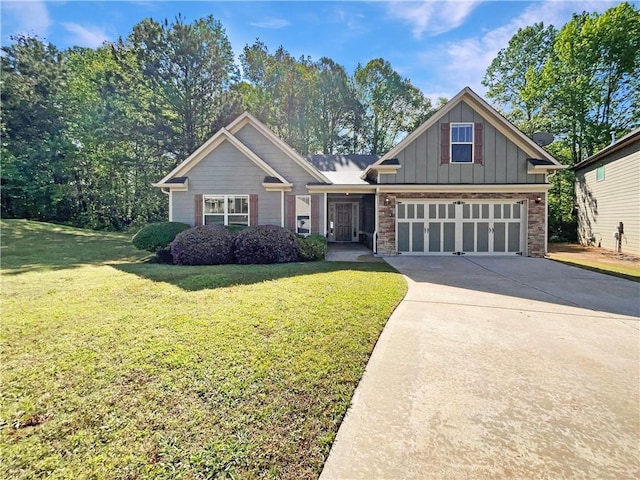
x: 209, y: 146
x: 432, y: 138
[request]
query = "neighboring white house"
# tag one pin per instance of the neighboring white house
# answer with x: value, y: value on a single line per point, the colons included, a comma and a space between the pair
x: 608, y: 193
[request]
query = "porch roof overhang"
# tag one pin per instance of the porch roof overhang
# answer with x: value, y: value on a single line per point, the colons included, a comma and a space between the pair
x: 465, y: 188
x: 179, y: 184
x: 274, y: 184
x: 542, y: 166
x: 330, y: 188
x: 432, y: 188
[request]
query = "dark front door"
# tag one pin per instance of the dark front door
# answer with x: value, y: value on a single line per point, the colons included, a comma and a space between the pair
x: 343, y: 222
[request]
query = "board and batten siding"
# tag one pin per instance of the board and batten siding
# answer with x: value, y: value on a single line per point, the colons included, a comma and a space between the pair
x: 503, y: 161
x: 226, y: 171
x: 602, y: 205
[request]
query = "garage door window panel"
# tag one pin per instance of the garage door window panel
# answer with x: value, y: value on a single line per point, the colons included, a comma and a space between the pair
x: 434, y: 236
x: 403, y: 237
x: 483, y: 237
x: 417, y: 237
x: 468, y: 237
x: 513, y: 238
x: 499, y: 231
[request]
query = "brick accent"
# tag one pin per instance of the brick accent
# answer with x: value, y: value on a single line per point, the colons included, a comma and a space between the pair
x: 536, y: 221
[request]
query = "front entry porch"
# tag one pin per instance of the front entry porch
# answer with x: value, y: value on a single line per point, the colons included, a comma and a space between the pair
x: 350, y: 218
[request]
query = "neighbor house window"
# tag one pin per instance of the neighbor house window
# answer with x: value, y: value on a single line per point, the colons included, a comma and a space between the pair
x: 600, y: 173
x: 226, y: 210
x: 303, y: 214
x: 462, y: 142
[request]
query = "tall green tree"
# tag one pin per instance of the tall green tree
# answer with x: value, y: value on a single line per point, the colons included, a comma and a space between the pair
x: 514, y: 78
x: 281, y: 91
x: 592, y: 78
x: 188, y: 70
x: 338, y: 113
x: 35, y: 167
x: 581, y: 83
x: 393, y: 107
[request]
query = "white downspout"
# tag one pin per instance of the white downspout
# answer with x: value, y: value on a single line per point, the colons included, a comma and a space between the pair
x: 324, y: 228
x: 375, y: 228
x: 168, y: 192
x: 547, y: 177
x: 282, y: 208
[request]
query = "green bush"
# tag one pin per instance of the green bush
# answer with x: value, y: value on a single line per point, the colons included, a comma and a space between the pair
x: 235, y: 228
x: 265, y: 244
x: 203, y: 245
x: 312, y: 248
x: 156, y: 237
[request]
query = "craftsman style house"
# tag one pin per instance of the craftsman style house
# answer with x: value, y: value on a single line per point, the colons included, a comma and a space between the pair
x: 465, y: 182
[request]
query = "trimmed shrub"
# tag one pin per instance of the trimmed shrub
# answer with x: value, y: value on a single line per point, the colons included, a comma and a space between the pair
x: 265, y: 244
x: 235, y: 228
x: 312, y: 248
x: 157, y: 236
x: 203, y: 245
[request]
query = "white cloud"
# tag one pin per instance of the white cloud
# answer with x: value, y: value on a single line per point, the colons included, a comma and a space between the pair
x: 432, y: 17
x: 26, y: 17
x: 88, y: 36
x: 464, y: 62
x: 271, y: 22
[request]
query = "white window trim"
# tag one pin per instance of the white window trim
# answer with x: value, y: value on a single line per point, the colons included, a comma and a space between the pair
x: 604, y: 173
x: 452, y: 143
x: 310, y: 224
x: 226, y: 204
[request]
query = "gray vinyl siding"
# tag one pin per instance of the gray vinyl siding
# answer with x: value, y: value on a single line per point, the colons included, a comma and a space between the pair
x: 602, y: 205
x: 276, y: 158
x: 226, y: 171
x: 503, y: 161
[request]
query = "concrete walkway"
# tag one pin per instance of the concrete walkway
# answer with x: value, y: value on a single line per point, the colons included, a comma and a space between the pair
x: 349, y: 252
x: 499, y: 368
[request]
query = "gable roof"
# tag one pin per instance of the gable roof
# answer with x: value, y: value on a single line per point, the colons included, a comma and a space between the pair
x: 247, y: 119
x: 342, y: 169
x: 169, y: 181
x: 476, y: 102
x: 628, y: 139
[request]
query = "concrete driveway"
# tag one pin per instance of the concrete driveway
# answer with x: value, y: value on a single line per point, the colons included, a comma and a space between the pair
x: 499, y: 368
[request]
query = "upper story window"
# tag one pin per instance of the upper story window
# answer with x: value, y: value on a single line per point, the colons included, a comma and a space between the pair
x: 226, y: 209
x: 462, y: 142
x: 600, y: 173
x: 303, y: 214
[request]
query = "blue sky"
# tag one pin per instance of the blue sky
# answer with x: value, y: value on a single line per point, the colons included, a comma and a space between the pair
x: 441, y: 46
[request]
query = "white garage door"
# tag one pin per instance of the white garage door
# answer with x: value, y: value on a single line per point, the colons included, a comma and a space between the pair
x: 446, y: 227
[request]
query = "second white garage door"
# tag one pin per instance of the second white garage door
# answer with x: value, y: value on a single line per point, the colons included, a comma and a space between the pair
x: 460, y: 227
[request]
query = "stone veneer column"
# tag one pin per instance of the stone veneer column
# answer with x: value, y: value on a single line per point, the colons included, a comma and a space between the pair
x: 386, y: 224
x: 536, y: 225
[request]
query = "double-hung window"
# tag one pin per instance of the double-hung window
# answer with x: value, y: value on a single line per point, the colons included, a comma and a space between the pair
x: 303, y: 214
x: 462, y: 143
x: 226, y: 210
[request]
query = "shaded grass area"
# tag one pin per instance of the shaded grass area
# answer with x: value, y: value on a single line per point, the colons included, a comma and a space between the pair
x: 597, y: 260
x: 117, y: 369
x: 628, y: 273
x: 37, y: 246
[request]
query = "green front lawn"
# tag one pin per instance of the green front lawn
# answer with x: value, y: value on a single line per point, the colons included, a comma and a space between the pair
x: 116, y: 368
